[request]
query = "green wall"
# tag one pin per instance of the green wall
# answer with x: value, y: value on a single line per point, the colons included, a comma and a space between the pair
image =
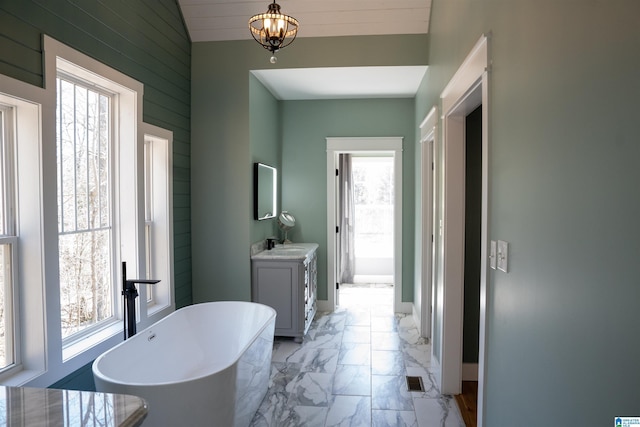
x: 562, y: 326
x: 223, y: 147
x: 146, y: 41
x: 306, y: 125
x: 265, y: 136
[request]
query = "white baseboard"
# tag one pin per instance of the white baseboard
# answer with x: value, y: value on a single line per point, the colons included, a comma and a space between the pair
x: 469, y: 372
x: 404, y: 307
x: 416, y: 319
x: 323, y: 306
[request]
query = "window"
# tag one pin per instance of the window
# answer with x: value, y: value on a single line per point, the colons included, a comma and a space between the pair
x: 373, y: 200
x: 85, y: 237
x: 8, y: 241
x: 22, y: 312
x: 158, y: 180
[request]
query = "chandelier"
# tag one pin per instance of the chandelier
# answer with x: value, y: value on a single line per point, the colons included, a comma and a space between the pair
x: 273, y: 30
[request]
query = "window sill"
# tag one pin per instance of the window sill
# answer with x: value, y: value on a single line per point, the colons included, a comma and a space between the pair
x: 154, y: 309
x: 20, y: 378
x: 81, y: 345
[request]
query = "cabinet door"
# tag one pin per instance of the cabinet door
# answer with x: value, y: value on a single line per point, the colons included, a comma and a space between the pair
x: 276, y: 289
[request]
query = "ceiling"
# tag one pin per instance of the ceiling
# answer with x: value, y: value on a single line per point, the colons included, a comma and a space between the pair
x: 341, y: 83
x: 221, y: 20
x: 216, y: 20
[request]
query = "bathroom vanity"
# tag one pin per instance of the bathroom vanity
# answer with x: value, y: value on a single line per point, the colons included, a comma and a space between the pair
x: 285, y: 278
x: 25, y: 406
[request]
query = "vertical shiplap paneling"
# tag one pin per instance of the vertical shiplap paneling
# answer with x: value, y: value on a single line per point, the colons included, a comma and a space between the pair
x: 143, y: 39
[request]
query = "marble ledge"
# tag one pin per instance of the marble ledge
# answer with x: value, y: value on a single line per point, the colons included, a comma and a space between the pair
x: 25, y: 406
x: 286, y: 252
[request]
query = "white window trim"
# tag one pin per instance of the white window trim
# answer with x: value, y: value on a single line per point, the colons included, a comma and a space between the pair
x: 64, y: 357
x: 27, y: 102
x: 161, y: 200
x: 44, y: 358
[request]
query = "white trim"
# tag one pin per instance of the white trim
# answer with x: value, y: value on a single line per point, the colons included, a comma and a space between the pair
x: 65, y: 359
x: 26, y: 102
x: 484, y: 253
x: 467, y: 89
x: 162, y: 205
x: 469, y: 73
x: 428, y: 134
x: 336, y: 145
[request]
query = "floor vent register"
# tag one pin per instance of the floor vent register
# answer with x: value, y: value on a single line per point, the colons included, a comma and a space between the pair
x: 414, y: 383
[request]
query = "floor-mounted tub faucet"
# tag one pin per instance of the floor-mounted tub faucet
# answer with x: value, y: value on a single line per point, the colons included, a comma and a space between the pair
x: 130, y: 293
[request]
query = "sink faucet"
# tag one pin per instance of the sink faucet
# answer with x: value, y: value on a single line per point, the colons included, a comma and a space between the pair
x: 130, y: 293
x: 271, y: 243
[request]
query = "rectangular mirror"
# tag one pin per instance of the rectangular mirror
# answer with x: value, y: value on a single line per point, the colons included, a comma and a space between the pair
x: 265, y: 180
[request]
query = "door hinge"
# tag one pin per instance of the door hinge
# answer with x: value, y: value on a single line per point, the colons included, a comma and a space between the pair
x: 337, y: 229
x: 337, y: 172
x: 337, y: 285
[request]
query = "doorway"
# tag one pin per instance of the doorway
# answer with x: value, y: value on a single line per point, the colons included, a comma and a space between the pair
x: 374, y: 146
x: 365, y: 207
x: 467, y: 90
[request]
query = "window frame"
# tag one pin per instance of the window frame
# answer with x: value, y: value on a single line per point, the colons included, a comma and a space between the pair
x: 8, y: 194
x: 27, y: 105
x: 87, y: 331
x: 159, y: 194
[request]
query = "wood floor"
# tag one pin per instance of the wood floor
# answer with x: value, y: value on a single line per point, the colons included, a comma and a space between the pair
x: 467, y: 402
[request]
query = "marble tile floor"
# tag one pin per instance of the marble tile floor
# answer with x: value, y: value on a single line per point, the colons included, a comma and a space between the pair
x: 350, y: 370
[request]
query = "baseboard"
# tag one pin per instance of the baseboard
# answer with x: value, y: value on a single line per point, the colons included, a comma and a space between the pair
x: 323, y: 306
x: 404, y: 307
x: 469, y: 372
x: 416, y: 320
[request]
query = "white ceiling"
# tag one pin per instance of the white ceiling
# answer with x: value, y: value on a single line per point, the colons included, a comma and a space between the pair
x: 216, y: 20
x: 220, y: 20
x: 340, y: 83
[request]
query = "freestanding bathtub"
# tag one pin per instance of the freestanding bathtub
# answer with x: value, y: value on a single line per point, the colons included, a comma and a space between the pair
x: 203, y: 365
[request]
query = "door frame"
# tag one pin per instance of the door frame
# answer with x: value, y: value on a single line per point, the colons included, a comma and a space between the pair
x: 386, y: 145
x: 422, y: 315
x: 468, y: 89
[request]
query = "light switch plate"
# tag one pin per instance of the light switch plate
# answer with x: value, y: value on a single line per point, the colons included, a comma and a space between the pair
x: 503, y: 255
x: 492, y: 255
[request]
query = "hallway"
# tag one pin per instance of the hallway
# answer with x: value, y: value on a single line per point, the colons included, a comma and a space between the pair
x: 350, y: 370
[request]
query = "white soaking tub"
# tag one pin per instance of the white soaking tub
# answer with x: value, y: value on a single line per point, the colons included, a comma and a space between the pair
x: 203, y: 365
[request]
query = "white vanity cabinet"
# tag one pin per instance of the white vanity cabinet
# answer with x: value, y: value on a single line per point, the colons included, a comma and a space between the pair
x: 285, y: 278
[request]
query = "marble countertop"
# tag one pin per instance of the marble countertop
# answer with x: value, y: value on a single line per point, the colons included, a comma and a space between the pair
x: 286, y: 252
x: 25, y: 406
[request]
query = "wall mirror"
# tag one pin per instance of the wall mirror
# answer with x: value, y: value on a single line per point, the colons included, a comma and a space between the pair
x: 265, y: 180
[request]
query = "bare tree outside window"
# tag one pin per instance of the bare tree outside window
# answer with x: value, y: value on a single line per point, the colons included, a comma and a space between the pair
x: 84, y: 206
x: 373, y: 199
